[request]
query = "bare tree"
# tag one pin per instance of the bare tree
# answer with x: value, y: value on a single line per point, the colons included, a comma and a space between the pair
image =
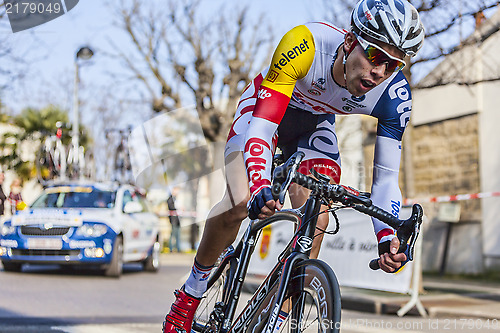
x: 15, y: 58
x: 183, y: 56
x: 187, y: 52
x: 449, y: 29
x: 6, y: 48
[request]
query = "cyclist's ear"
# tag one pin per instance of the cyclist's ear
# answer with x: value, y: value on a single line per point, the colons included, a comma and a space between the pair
x: 348, y: 40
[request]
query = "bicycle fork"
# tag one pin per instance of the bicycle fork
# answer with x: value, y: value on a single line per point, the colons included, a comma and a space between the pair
x: 241, y: 270
x: 301, y: 249
x: 242, y: 321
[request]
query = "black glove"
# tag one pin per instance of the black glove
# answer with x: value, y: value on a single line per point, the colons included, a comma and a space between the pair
x: 384, y: 247
x: 259, y: 201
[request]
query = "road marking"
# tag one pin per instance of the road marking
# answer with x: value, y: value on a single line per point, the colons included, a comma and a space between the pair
x: 119, y: 328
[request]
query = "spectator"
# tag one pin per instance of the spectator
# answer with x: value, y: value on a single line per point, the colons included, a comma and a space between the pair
x: 15, y: 197
x: 175, y: 233
x: 3, y: 197
x: 195, y: 231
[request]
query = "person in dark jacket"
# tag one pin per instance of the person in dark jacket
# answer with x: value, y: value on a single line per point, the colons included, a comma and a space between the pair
x: 3, y: 197
x: 175, y: 233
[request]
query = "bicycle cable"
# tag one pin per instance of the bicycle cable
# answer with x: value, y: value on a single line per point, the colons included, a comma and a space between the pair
x: 323, y: 231
x: 337, y: 223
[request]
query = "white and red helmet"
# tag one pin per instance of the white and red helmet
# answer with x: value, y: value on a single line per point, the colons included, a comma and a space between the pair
x: 395, y: 22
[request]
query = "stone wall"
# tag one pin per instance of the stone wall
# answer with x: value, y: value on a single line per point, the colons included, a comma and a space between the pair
x: 446, y: 162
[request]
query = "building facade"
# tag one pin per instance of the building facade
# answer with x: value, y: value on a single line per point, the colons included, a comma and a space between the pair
x: 455, y: 144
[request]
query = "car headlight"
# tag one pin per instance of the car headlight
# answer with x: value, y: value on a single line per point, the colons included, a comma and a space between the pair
x: 7, y: 229
x: 92, y: 230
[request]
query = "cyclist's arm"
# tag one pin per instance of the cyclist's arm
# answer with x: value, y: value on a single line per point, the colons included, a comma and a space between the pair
x: 291, y: 61
x: 393, y: 112
x: 385, y: 188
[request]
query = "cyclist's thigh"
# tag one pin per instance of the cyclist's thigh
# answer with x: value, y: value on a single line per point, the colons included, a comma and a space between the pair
x: 321, y: 151
x: 236, y: 192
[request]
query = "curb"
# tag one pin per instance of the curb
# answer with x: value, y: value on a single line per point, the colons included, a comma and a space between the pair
x: 443, y: 299
x: 437, y: 306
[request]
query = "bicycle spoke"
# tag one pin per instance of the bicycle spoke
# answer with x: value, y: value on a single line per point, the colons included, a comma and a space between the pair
x: 305, y: 318
x: 312, y: 309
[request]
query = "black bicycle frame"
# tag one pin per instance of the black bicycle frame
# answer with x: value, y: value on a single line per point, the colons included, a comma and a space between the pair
x: 297, y: 250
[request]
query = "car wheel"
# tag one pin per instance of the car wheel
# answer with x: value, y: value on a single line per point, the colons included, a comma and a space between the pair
x: 12, y: 266
x: 115, y: 267
x: 152, y: 262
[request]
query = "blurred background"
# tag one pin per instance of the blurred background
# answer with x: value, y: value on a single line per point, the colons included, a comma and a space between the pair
x: 144, y: 92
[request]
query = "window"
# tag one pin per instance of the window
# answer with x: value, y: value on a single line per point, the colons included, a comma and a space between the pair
x: 75, y: 197
x: 127, y: 197
x: 144, y: 203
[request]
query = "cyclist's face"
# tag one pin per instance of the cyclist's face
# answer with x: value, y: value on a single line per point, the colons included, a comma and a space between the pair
x: 361, y: 74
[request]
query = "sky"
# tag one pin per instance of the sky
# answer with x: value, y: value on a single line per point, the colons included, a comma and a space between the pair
x: 47, y: 52
x: 45, y: 55
x: 45, y: 58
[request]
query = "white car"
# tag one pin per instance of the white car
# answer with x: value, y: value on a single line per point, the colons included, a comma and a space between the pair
x: 85, y: 224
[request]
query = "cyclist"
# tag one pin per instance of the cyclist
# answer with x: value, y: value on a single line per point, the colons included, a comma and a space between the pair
x: 317, y: 71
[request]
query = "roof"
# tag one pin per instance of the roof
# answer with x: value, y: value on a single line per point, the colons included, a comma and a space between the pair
x: 460, y: 67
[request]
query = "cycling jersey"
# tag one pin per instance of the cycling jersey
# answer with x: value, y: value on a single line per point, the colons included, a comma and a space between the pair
x: 300, y: 77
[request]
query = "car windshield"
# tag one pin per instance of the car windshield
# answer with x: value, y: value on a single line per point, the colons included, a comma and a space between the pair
x: 75, y: 197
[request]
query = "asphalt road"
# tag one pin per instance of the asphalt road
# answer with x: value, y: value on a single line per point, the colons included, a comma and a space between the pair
x: 49, y: 296
x: 47, y: 299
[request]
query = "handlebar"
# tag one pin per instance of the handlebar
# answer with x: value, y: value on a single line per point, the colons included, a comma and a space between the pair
x: 407, y: 230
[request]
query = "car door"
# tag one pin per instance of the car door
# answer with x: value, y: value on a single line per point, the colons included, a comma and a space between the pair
x: 149, y: 223
x: 132, y: 228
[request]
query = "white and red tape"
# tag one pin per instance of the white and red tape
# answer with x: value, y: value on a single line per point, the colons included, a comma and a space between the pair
x: 458, y: 197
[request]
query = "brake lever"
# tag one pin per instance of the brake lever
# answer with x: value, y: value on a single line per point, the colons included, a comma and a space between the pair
x: 407, y: 234
x: 413, y: 239
x: 278, y: 191
x: 410, y: 230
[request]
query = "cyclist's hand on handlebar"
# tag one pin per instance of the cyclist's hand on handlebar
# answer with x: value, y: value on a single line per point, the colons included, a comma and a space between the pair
x: 390, y: 260
x: 263, y: 204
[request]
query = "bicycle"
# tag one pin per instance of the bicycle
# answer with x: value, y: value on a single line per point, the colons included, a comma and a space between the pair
x: 51, y: 158
x: 307, y: 289
x: 122, y: 165
x: 76, y: 162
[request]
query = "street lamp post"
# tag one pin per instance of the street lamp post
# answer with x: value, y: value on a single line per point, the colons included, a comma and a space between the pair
x: 83, y: 53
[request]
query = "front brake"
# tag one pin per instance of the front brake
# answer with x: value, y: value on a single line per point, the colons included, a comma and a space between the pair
x: 407, y: 234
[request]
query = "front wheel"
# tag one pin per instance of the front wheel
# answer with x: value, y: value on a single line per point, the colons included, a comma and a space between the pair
x: 152, y: 262
x: 12, y: 266
x: 209, y: 314
x: 115, y: 267
x: 312, y: 302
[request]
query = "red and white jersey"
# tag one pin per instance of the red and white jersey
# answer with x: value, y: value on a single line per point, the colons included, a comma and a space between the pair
x: 300, y: 75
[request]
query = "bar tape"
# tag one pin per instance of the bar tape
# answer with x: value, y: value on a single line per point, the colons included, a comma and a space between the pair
x: 449, y: 198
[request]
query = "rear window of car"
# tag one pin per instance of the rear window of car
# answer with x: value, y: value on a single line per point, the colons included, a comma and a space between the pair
x: 75, y: 197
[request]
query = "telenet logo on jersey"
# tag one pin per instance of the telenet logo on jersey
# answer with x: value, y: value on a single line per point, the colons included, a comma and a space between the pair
x: 26, y: 14
x: 296, y: 51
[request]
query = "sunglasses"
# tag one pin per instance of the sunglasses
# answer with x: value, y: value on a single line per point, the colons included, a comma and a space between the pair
x: 378, y: 56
